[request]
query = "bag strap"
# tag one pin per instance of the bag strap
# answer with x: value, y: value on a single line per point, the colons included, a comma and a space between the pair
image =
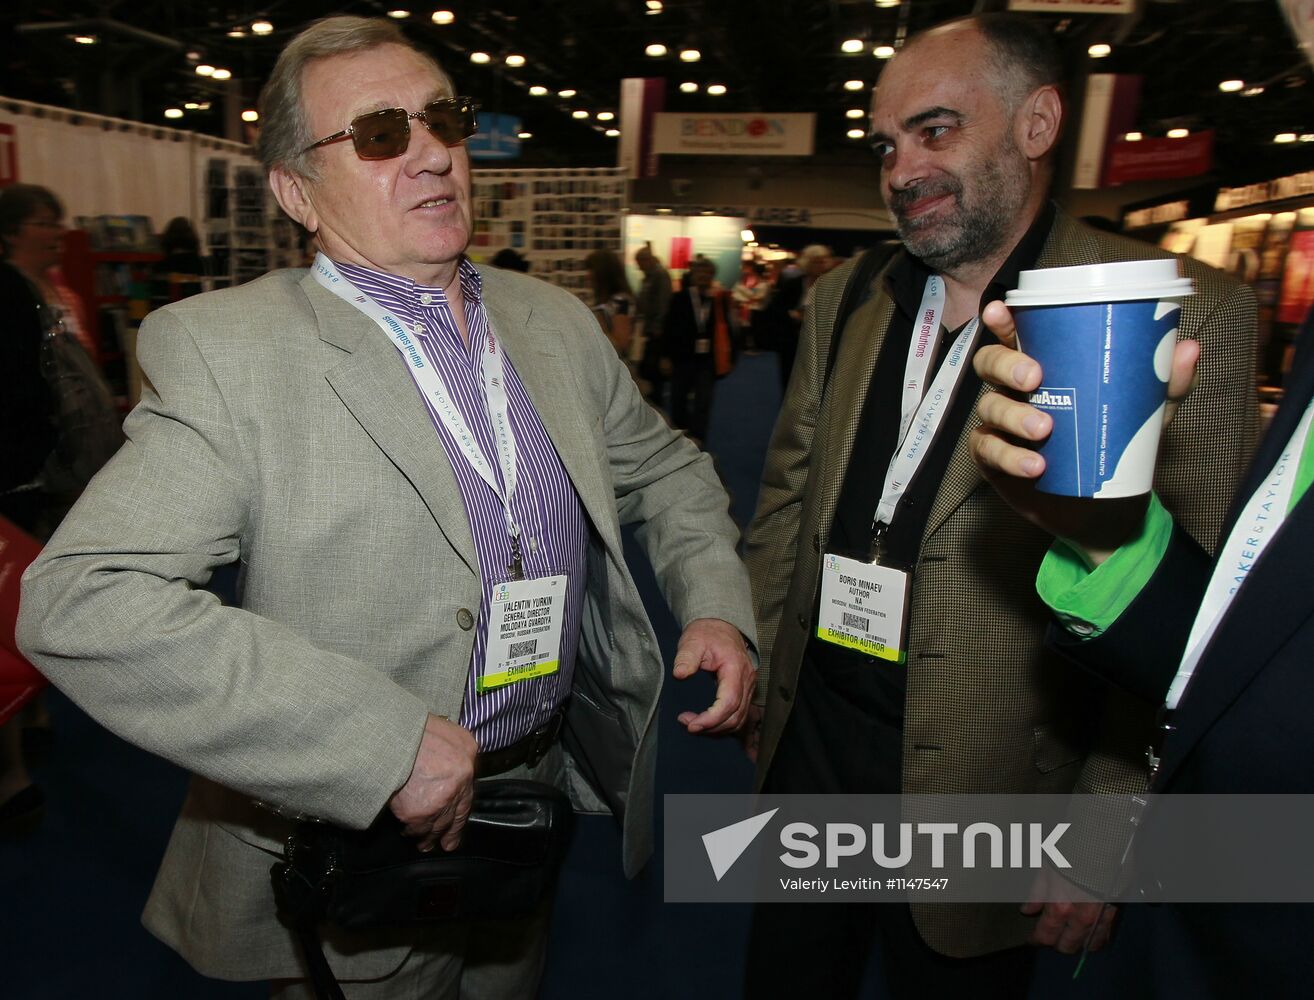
x: 857, y: 290
x: 299, y: 902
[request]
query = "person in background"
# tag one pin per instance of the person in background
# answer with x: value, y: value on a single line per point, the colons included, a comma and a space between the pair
x: 613, y: 302
x: 696, y: 346
x: 176, y: 276
x: 793, y: 299
x: 650, y: 321
x: 750, y: 298
x: 509, y: 260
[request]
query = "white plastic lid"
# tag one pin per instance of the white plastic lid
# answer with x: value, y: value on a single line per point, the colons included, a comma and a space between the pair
x: 1122, y: 282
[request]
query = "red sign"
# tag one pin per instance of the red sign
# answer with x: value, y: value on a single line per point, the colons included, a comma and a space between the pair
x: 8, y: 156
x: 681, y: 252
x: 1297, y: 278
x: 19, y: 680
x: 1159, y: 159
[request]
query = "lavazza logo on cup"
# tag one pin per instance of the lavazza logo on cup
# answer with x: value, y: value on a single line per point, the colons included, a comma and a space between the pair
x: 1103, y: 335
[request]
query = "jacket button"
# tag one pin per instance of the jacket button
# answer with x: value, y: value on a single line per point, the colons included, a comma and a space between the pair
x: 802, y: 620
x: 784, y: 692
x: 465, y: 619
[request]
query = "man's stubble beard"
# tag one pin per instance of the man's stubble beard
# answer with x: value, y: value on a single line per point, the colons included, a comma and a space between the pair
x: 983, y: 221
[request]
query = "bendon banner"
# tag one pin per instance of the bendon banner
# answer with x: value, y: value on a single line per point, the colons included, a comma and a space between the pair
x: 734, y: 135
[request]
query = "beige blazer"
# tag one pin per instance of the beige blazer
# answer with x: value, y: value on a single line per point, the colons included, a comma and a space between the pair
x: 280, y: 427
x: 989, y: 708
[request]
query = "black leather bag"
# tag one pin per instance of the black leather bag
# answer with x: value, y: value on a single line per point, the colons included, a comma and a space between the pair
x: 511, y: 847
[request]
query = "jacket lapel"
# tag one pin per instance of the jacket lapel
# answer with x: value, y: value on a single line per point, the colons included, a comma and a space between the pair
x: 374, y: 385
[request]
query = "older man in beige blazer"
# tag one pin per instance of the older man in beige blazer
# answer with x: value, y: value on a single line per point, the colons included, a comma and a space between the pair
x: 283, y: 427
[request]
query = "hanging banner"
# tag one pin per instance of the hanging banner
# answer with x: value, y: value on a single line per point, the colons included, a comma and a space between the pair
x: 735, y: 135
x: 1074, y: 6
x: 1108, y: 112
x: 1160, y: 159
x: 641, y: 98
x: 498, y: 138
x: 8, y: 155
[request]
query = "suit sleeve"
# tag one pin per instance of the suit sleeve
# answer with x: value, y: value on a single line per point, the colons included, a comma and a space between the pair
x: 113, y: 613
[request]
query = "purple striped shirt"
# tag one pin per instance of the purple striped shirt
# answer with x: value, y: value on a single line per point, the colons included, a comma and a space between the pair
x: 553, y: 527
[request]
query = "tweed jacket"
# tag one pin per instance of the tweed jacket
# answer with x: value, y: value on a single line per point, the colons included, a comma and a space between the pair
x: 282, y: 428
x: 988, y: 708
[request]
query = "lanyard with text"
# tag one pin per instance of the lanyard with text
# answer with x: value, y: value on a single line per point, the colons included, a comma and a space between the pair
x: 1260, y: 519
x: 492, y: 373
x: 864, y: 604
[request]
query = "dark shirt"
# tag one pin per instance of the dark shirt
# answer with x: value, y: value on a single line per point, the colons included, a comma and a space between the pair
x: 849, y: 712
x: 26, y: 405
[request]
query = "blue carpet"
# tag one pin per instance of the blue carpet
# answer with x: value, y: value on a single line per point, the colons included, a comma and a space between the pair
x: 72, y: 894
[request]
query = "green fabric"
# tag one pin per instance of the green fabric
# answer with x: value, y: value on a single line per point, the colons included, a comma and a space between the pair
x: 1086, y: 600
x: 1304, y: 474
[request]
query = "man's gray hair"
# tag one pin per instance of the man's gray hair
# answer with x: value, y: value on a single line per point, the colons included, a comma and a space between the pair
x: 814, y: 251
x: 284, y: 130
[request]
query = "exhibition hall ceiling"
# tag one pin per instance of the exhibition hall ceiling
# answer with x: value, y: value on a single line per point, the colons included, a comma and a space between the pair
x: 137, y: 58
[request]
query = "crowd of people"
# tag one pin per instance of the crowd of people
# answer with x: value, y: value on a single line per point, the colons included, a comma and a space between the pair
x: 398, y: 446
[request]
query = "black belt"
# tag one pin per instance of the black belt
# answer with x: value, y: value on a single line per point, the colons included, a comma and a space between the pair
x: 529, y: 750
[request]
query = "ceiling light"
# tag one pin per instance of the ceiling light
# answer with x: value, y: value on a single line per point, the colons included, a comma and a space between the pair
x: 656, y: 50
x: 747, y: 235
x: 1099, y: 50
x: 480, y: 58
x: 399, y: 15
x: 1254, y: 91
x: 250, y: 115
x: 883, y: 51
x: 1178, y: 133
x: 205, y: 69
x: 443, y: 17
x: 1307, y: 136
x: 655, y: 6
x: 663, y: 211
x: 716, y: 89
x: 579, y: 114
x: 1133, y: 137
x: 237, y: 33
x: 854, y: 84
x: 854, y: 113
x: 688, y: 87
x: 568, y: 93
x: 856, y: 133
x: 690, y: 55
x: 515, y: 61
x: 852, y: 45
x: 222, y: 74
x: 606, y: 116
x: 203, y: 106
x: 887, y: 3
x: 611, y: 133
x: 85, y: 39
x: 1231, y: 86
x: 177, y: 113
x: 524, y: 135
x: 1285, y: 137
x: 194, y: 56
x: 261, y: 27
x: 537, y: 91
x: 191, y: 106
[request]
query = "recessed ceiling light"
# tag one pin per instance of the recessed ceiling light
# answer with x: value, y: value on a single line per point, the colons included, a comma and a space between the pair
x: 261, y: 27
x: 1133, y: 137
x: 399, y: 15
x: 656, y: 50
x: 203, y: 106
x: 1307, y: 136
x: 191, y: 106
x: 567, y: 94
x: 887, y: 3
x: 612, y: 133
x: 1178, y: 133
x: 237, y: 33
x: 663, y: 211
x: 205, y: 69
x: 854, y: 84
x: 480, y: 58
x: 688, y: 87
x: 173, y: 112
x: 1231, y: 86
x: 222, y: 74
x: 883, y: 51
x: 716, y: 89
x: 606, y: 116
x: 1099, y: 50
x: 250, y: 115
x: 442, y: 17
x: 515, y: 61
x: 856, y: 133
x: 690, y: 55
x: 1254, y: 91
x: 852, y: 46
x: 1285, y: 137
x: 537, y: 91
x: 655, y: 6
x: 85, y: 39
x: 854, y: 113
x: 524, y: 135
x: 579, y: 114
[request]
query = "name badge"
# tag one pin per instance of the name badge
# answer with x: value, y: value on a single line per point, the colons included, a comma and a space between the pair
x: 863, y: 606
x: 525, y: 618
x: 703, y: 345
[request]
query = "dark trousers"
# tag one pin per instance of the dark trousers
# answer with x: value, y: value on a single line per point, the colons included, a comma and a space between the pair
x: 692, y: 385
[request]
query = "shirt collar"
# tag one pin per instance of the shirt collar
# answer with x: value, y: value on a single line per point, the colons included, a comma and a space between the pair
x: 907, y: 276
x: 411, y: 293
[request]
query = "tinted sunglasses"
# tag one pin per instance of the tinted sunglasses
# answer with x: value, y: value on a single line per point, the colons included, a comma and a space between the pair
x: 381, y: 135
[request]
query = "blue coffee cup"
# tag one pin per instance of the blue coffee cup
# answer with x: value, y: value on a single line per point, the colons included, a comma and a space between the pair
x: 1103, y: 335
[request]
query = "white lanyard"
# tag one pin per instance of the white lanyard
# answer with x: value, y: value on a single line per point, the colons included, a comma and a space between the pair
x: 923, y: 411
x: 492, y: 371
x: 1260, y: 519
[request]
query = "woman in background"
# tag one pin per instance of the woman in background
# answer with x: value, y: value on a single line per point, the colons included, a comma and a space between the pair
x: 613, y: 301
